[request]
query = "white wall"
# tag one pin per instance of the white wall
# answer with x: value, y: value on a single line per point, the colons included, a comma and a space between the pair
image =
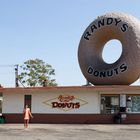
x: 42, y: 102
x: 12, y: 103
x: 89, y: 103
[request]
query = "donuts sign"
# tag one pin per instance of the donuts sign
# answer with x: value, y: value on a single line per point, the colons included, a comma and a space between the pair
x: 126, y: 69
x: 66, y: 102
x: 109, y: 73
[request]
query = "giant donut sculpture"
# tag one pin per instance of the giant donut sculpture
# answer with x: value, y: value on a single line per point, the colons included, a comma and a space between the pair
x: 126, y: 69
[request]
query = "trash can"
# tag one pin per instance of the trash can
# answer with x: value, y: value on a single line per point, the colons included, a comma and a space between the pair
x: 117, y: 119
x: 2, y: 119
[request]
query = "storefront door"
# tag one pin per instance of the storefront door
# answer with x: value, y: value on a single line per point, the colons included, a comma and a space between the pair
x: 28, y: 100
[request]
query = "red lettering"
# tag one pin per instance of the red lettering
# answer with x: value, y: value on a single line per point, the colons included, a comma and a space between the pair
x: 54, y: 104
x: 65, y: 98
x: 77, y: 105
x: 65, y: 105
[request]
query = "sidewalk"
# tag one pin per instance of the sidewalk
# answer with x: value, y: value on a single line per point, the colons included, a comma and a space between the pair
x: 69, y: 132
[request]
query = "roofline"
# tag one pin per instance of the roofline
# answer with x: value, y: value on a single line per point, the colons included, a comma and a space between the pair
x: 94, y: 88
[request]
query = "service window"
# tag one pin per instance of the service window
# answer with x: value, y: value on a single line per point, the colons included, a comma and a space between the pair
x: 109, y: 104
x: 133, y: 103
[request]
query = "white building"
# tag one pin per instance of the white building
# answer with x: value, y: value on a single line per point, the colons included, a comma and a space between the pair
x: 76, y: 104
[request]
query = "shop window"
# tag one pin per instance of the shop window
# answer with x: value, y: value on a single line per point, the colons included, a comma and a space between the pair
x: 109, y: 104
x: 133, y: 104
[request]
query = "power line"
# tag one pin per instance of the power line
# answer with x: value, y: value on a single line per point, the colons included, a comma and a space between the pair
x: 16, y: 76
x: 7, y: 65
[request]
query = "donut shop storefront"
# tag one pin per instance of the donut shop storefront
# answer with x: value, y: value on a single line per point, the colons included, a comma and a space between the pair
x: 76, y: 104
x: 89, y: 104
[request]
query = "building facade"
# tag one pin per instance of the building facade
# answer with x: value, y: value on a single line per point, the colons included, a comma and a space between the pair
x: 75, y: 104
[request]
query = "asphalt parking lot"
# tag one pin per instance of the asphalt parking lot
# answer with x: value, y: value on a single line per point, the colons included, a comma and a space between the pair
x: 69, y: 132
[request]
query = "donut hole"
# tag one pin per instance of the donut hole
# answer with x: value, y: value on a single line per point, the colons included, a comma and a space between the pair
x: 112, y: 51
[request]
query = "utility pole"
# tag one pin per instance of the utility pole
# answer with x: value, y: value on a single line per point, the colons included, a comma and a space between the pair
x: 16, y: 76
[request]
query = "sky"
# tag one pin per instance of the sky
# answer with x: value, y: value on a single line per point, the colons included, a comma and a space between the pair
x: 51, y: 30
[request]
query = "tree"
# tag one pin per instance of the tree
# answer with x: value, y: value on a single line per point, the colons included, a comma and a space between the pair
x: 36, y: 73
